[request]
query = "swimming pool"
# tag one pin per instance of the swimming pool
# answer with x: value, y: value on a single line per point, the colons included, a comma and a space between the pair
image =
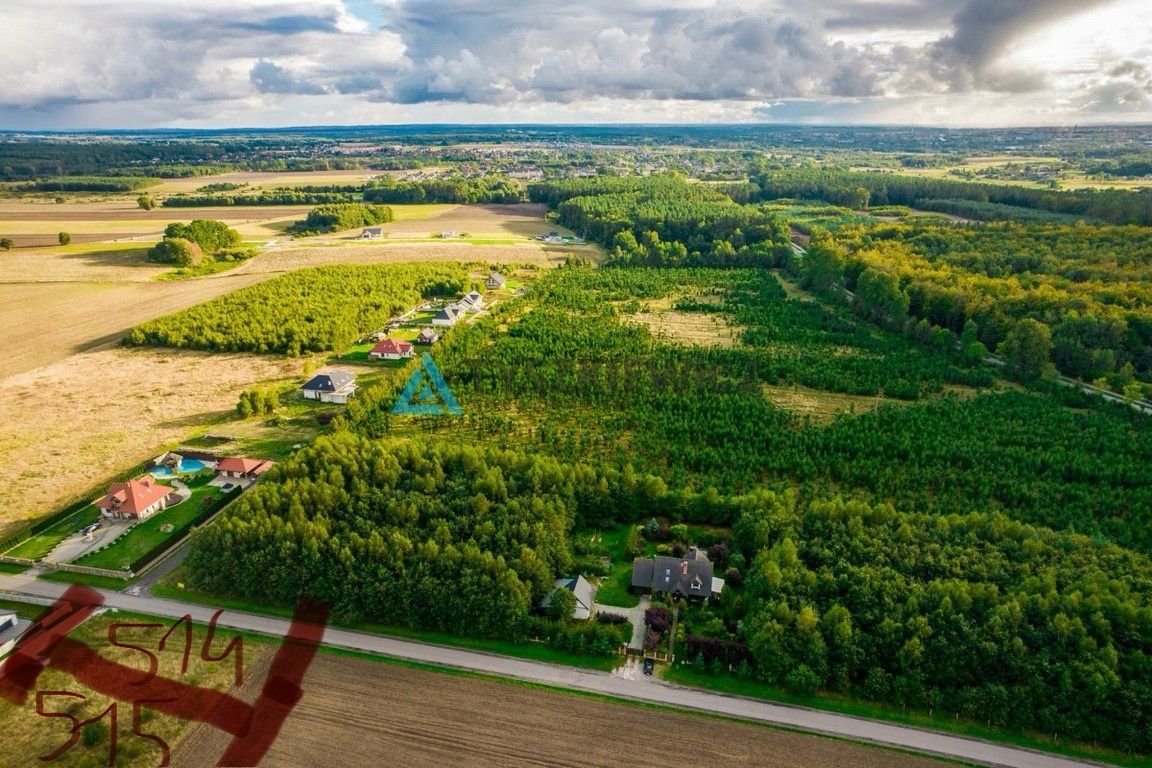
x: 187, y: 466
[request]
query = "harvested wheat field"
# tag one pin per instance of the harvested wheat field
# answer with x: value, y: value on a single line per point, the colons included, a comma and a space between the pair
x: 357, y: 712
x: 67, y: 427
x: 44, y: 322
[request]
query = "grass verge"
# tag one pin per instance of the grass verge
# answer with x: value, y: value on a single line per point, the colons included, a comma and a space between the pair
x: 754, y: 689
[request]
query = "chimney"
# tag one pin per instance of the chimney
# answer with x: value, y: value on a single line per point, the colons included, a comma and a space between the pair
x: 684, y: 567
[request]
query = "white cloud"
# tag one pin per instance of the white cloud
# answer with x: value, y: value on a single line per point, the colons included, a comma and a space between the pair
x: 105, y: 62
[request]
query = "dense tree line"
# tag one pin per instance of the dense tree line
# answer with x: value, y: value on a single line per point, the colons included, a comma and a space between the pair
x: 487, y: 189
x: 341, y: 216
x: 859, y: 189
x: 280, y: 196
x: 1089, y: 285
x: 86, y: 184
x: 310, y: 310
x: 437, y: 537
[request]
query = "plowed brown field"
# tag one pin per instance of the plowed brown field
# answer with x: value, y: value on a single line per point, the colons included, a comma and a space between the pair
x: 356, y: 712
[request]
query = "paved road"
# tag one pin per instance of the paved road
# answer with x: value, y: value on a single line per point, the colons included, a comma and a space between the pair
x: 642, y: 689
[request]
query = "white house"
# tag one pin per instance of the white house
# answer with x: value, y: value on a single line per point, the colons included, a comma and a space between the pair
x: 334, y: 387
x: 472, y: 302
x: 494, y: 281
x: 372, y: 233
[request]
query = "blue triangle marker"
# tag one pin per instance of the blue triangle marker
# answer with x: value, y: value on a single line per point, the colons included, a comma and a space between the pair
x: 427, y: 384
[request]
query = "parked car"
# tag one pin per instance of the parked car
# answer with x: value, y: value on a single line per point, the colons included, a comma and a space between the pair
x: 649, y: 665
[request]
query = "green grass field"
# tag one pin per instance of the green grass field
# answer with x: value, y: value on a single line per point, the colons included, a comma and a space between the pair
x: 43, y: 543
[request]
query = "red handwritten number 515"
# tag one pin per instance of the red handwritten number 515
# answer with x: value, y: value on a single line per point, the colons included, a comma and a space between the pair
x: 111, y: 714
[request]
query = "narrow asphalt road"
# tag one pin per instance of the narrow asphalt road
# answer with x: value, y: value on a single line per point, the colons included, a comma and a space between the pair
x: 642, y: 689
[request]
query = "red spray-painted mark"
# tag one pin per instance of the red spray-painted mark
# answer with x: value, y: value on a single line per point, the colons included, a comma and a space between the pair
x: 254, y: 727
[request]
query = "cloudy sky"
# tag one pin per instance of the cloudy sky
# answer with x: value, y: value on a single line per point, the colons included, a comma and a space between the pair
x: 219, y: 63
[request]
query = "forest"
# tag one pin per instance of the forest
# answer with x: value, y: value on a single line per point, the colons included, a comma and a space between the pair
x: 1090, y: 286
x: 441, y: 537
x: 861, y: 189
x: 310, y: 310
x: 699, y: 417
x: 972, y: 613
x: 666, y: 220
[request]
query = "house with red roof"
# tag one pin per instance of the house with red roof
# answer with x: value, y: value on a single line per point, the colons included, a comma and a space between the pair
x: 136, y: 499
x: 241, y: 468
x: 391, y: 349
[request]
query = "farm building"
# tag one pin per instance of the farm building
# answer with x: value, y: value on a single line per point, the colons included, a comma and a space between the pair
x: 690, y: 576
x: 372, y: 233
x: 580, y: 587
x: 334, y: 387
x: 428, y: 336
x: 448, y: 316
x: 241, y: 468
x: 391, y: 349
x: 494, y: 281
x: 135, y: 500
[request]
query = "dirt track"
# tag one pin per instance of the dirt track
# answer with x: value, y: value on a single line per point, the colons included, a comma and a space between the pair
x: 357, y: 712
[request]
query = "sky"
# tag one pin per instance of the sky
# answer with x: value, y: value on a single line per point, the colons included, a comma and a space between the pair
x: 87, y: 64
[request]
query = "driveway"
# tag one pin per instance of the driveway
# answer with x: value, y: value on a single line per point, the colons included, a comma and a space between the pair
x: 634, y: 615
x: 78, y: 545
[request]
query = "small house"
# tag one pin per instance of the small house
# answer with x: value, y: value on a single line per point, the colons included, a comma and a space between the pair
x: 448, y: 317
x: 135, y: 500
x: 241, y: 468
x: 494, y: 281
x: 391, y: 349
x: 472, y: 302
x: 580, y: 587
x: 689, y: 576
x: 372, y: 233
x: 427, y: 336
x: 334, y: 387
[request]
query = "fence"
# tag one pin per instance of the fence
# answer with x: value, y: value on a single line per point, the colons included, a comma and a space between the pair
x: 89, y: 571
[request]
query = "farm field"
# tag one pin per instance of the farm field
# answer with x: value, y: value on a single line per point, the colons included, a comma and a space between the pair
x: 476, y: 723
x: 66, y: 427
x: 27, y: 736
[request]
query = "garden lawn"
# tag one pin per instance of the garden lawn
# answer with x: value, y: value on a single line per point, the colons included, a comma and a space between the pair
x: 43, y: 543
x: 146, y: 536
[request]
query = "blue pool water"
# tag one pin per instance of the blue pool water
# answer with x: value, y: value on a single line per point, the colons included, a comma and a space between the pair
x: 186, y: 466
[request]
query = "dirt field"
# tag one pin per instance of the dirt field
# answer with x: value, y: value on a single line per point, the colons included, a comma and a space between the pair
x: 66, y: 427
x: 266, y: 180
x: 358, y: 712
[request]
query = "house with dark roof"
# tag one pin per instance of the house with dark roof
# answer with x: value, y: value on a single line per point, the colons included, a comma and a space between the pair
x: 580, y: 587
x: 689, y: 576
x: 448, y: 317
x: 391, y: 349
x: 334, y: 387
x: 372, y: 233
x: 242, y: 468
x: 494, y: 281
x: 136, y: 499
